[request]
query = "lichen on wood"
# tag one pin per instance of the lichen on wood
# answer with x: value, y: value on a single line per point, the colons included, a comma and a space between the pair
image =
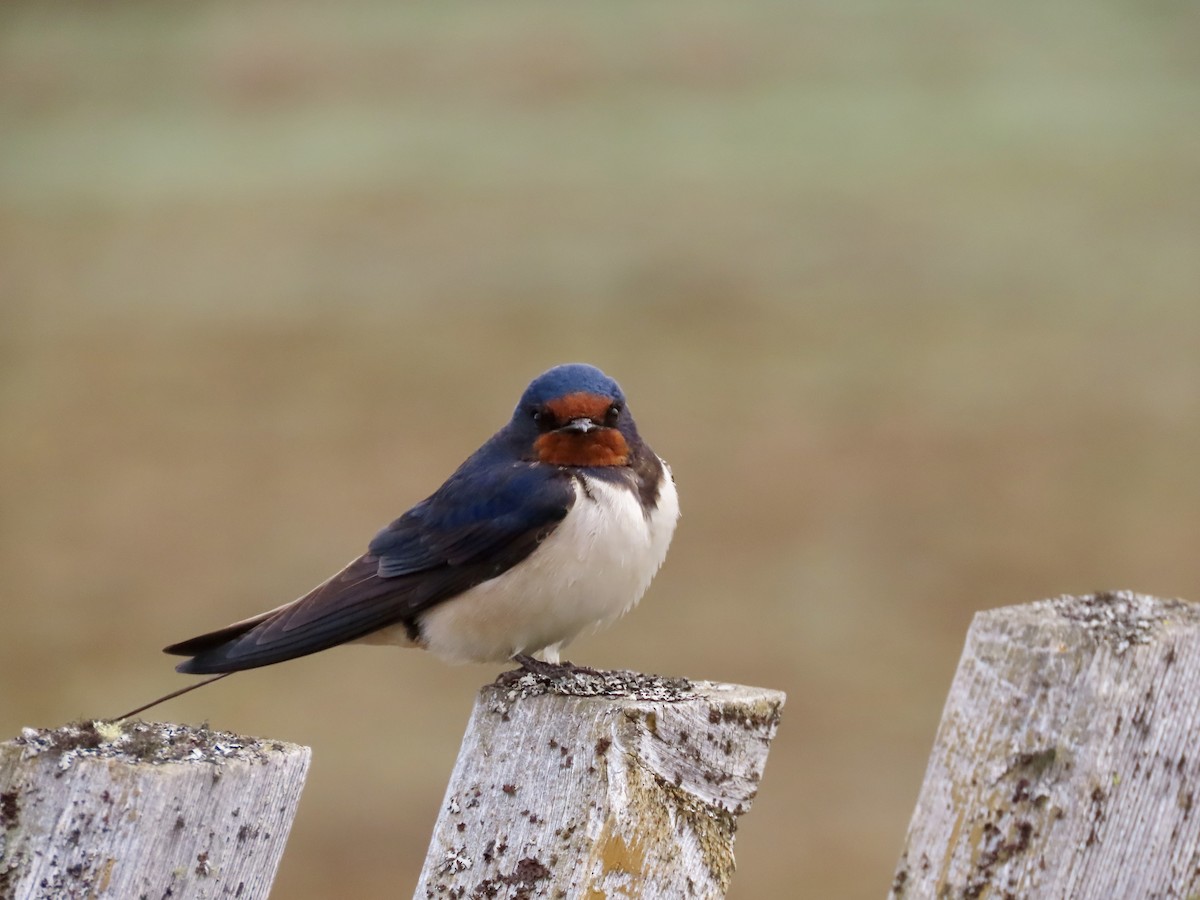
x: 601, y: 784
x: 1066, y: 762
x: 130, y: 809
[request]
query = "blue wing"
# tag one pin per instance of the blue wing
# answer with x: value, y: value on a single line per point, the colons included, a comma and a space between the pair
x: 485, y: 519
x: 471, y: 518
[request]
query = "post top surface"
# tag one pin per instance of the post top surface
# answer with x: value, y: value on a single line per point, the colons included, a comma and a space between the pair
x: 135, y: 741
x: 1121, y: 618
x: 624, y: 684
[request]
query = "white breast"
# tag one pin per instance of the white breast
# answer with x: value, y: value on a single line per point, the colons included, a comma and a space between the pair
x: 594, y: 567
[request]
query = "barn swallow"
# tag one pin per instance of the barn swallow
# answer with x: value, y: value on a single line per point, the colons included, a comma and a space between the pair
x: 555, y: 526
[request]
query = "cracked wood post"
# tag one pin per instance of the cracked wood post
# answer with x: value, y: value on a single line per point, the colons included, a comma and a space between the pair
x: 132, y: 809
x: 593, y: 785
x: 1067, y: 763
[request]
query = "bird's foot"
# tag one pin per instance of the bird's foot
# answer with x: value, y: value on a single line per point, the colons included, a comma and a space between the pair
x: 538, y: 666
x: 581, y: 670
x: 549, y: 669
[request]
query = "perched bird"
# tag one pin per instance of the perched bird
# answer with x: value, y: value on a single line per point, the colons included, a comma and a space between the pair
x: 555, y: 526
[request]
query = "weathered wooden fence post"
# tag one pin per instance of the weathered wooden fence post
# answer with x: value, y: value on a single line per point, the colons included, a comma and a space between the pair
x: 1067, y: 762
x: 607, y: 784
x: 132, y: 809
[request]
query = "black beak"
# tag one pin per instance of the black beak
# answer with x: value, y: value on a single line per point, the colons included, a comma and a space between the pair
x: 581, y: 425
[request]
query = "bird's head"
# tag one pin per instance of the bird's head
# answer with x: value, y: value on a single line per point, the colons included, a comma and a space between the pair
x: 574, y: 415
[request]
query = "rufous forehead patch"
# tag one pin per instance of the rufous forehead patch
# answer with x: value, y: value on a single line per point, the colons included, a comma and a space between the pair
x: 579, y: 405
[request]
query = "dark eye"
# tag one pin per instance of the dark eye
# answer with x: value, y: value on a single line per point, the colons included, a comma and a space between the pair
x: 613, y: 414
x: 543, y: 420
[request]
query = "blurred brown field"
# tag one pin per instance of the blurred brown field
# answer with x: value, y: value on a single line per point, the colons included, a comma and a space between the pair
x: 908, y: 296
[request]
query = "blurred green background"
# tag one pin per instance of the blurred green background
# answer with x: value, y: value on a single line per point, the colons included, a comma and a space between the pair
x: 907, y: 295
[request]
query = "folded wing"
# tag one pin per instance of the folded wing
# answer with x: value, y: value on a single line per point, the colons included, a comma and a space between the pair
x: 479, y: 524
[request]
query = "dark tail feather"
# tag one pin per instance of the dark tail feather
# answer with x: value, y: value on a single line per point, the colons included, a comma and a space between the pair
x: 194, y: 646
x: 213, y: 639
x: 208, y: 648
x: 213, y: 661
x: 348, y: 606
x: 171, y: 696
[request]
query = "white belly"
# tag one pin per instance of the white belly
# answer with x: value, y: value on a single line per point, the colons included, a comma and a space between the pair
x: 594, y: 567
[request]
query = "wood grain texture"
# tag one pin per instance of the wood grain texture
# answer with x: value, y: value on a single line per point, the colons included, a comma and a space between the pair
x: 599, y: 785
x: 130, y: 810
x: 1067, y: 762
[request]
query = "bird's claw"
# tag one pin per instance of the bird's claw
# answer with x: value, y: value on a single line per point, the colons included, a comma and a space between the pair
x: 549, y: 669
